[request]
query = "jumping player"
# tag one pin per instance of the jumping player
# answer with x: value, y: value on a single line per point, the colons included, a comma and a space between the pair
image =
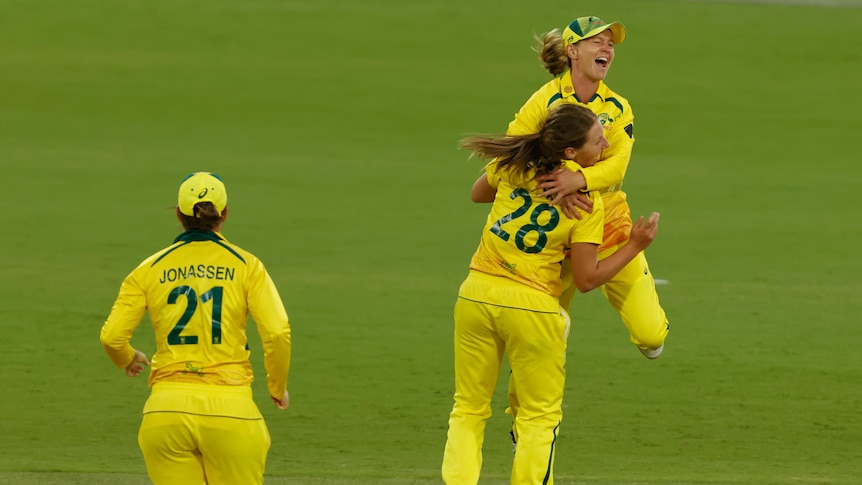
x: 579, y: 60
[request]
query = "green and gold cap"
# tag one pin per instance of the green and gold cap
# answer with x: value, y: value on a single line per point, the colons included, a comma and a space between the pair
x: 585, y: 27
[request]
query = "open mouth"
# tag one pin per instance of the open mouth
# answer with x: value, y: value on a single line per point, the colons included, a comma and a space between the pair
x: 602, y: 61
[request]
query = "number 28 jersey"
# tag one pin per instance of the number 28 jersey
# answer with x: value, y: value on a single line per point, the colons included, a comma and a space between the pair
x: 199, y: 293
x: 526, y: 239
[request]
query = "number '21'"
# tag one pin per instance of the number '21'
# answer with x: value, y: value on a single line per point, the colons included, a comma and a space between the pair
x: 534, y: 225
x: 215, y: 294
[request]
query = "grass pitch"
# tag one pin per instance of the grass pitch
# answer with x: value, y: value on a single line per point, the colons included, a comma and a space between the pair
x: 334, y: 125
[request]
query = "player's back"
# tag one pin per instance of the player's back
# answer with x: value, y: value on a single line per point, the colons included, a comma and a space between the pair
x: 525, y: 238
x: 196, y: 292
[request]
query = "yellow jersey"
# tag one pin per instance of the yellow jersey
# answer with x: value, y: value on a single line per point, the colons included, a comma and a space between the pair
x: 199, y: 292
x: 525, y: 239
x: 606, y: 176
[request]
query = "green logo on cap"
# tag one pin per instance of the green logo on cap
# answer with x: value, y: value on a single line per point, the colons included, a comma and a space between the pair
x: 202, y: 193
x: 595, y: 21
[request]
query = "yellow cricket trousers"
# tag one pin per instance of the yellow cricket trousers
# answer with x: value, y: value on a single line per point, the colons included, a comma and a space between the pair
x: 194, y: 434
x: 535, y: 343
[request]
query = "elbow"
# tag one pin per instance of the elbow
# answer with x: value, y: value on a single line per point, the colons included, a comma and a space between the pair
x: 586, y: 288
x: 106, y: 338
x: 282, y: 338
x: 480, y: 197
x: 586, y: 284
x: 113, y: 343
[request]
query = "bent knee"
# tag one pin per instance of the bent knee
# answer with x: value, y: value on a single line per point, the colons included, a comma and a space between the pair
x: 651, y: 340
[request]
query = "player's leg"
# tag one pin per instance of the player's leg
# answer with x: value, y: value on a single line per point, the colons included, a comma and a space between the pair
x: 512, y: 410
x: 632, y: 293
x: 478, y: 356
x: 234, y: 450
x: 536, y: 348
x: 168, y: 442
x: 568, y: 293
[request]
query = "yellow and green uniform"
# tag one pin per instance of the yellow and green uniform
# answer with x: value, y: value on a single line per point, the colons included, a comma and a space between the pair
x: 509, y: 303
x: 632, y: 291
x: 199, y: 292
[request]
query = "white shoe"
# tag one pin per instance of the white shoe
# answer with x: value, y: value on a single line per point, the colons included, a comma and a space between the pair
x: 652, y: 353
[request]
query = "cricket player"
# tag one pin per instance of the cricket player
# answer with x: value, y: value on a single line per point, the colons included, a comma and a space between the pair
x: 509, y: 302
x: 200, y: 424
x: 580, y: 59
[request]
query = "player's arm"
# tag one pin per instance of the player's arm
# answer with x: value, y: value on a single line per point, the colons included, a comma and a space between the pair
x: 267, y: 310
x: 614, y: 163
x: 529, y: 119
x: 609, y: 171
x: 116, y: 332
x: 568, y: 199
x: 482, y: 191
x: 590, y: 273
x: 530, y: 116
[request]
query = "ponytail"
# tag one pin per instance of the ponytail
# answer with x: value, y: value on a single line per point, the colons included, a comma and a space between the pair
x: 567, y: 125
x: 552, y: 52
x: 206, y: 217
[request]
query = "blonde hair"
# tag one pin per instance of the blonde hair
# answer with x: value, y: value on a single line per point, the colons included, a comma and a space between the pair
x: 552, y: 52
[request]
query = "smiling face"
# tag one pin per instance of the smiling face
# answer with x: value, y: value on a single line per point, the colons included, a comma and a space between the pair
x: 588, y: 155
x: 592, y: 56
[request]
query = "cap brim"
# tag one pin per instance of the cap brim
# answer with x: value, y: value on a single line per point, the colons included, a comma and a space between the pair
x: 619, y: 32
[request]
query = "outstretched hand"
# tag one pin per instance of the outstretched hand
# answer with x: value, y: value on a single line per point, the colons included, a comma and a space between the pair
x: 282, y: 403
x: 643, y: 232
x: 137, y: 364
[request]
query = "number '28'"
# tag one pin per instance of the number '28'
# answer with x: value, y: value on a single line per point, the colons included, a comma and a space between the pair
x: 533, y: 226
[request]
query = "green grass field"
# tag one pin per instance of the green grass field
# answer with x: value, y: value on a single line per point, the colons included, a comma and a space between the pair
x: 334, y: 124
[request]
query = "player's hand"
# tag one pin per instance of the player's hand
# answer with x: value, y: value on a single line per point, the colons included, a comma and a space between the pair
x: 570, y: 203
x: 137, y: 364
x: 282, y: 403
x: 643, y: 232
x: 560, y: 183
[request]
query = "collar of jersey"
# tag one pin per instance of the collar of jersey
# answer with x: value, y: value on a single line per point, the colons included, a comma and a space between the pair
x: 193, y: 235
x: 566, y: 81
